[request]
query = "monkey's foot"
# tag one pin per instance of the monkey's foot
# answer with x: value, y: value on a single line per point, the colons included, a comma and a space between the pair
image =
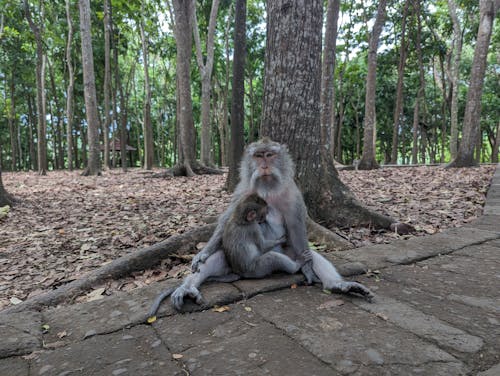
x: 198, y: 259
x: 348, y: 287
x: 181, y: 292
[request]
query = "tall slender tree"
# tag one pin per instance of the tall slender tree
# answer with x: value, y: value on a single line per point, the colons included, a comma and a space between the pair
x: 107, y: 82
x: 238, y: 95
x: 327, y: 73
x: 368, y: 160
x: 472, y: 115
x: 206, y: 68
x: 454, y: 76
x: 146, y: 121
x: 70, y: 89
x: 37, y: 30
x: 184, y: 42
x: 94, y: 161
x: 398, y: 107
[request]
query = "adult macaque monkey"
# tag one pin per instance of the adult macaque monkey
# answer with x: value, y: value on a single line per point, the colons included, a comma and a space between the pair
x: 267, y: 170
x: 248, y: 253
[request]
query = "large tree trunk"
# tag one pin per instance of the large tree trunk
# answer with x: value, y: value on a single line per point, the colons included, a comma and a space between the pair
x: 206, y: 76
x: 183, y: 39
x: 368, y: 160
x: 327, y: 74
x: 455, y: 72
x: 94, y: 161
x: 40, y: 88
x: 472, y: 116
x: 398, y: 108
x: 70, y: 89
x: 293, y: 73
x: 238, y: 95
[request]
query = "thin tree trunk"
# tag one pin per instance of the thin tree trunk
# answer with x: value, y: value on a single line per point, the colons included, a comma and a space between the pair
x: 107, y: 82
x: 238, y: 94
x: 398, y: 108
x: 455, y: 72
x: 472, y: 116
x: 94, y: 162
x: 147, y: 126
x: 368, y: 160
x: 70, y: 89
x: 12, y: 122
x: 327, y: 73
x: 206, y: 76
x: 40, y: 85
x: 496, y: 145
x: 420, y: 99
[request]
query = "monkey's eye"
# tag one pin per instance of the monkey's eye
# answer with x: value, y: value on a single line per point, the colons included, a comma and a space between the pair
x: 270, y: 154
x: 258, y: 155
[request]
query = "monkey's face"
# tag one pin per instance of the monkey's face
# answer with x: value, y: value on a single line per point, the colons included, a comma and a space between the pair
x: 265, y: 163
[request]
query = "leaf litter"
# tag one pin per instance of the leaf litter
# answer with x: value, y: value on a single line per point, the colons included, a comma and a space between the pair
x: 67, y: 225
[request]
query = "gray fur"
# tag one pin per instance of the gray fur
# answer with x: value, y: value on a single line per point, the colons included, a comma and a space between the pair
x: 287, y: 215
x: 249, y: 254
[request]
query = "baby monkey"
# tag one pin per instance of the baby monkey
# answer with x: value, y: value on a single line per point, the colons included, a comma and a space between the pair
x: 246, y: 250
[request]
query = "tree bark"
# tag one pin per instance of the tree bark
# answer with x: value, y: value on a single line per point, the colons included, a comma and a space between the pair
x: 40, y: 88
x: 5, y: 197
x: 146, y: 123
x: 494, y: 149
x: 472, y: 116
x: 327, y: 74
x: 206, y: 76
x: 238, y: 95
x: 12, y: 122
x: 290, y: 113
x: 368, y: 160
x: 107, y: 82
x: 183, y: 39
x: 420, y: 99
x: 70, y: 89
x: 455, y: 73
x: 398, y: 108
x: 94, y: 161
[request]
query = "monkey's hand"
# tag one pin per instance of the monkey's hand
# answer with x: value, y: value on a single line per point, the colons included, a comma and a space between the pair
x: 348, y: 287
x: 198, y: 259
x: 182, y: 291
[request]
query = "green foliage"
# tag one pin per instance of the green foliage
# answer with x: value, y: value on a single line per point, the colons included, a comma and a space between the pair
x: 18, y: 56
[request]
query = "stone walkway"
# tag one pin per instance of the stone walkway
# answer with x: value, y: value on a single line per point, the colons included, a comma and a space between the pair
x: 437, y: 312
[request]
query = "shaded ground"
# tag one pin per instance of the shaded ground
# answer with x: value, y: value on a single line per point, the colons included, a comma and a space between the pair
x: 67, y: 225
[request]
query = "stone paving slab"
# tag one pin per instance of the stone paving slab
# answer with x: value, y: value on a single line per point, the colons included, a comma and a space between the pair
x: 135, y: 351
x: 350, y: 339
x: 236, y: 342
x: 20, y: 332
x: 416, y: 249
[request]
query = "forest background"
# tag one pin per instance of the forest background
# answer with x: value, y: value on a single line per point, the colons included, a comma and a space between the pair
x: 424, y: 65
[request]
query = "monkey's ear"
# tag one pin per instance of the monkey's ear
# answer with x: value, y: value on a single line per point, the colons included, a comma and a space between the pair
x: 251, y: 215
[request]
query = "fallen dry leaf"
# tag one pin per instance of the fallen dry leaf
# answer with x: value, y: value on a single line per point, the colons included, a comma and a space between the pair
x: 114, y: 214
x: 221, y: 309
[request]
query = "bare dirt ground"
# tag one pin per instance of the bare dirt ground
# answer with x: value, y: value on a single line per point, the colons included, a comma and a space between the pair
x: 66, y: 225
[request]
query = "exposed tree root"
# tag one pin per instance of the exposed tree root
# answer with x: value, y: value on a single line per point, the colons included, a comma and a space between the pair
x: 137, y: 260
x: 148, y: 257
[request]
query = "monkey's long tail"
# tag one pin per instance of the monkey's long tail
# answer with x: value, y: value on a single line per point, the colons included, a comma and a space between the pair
x: 156, y: 304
